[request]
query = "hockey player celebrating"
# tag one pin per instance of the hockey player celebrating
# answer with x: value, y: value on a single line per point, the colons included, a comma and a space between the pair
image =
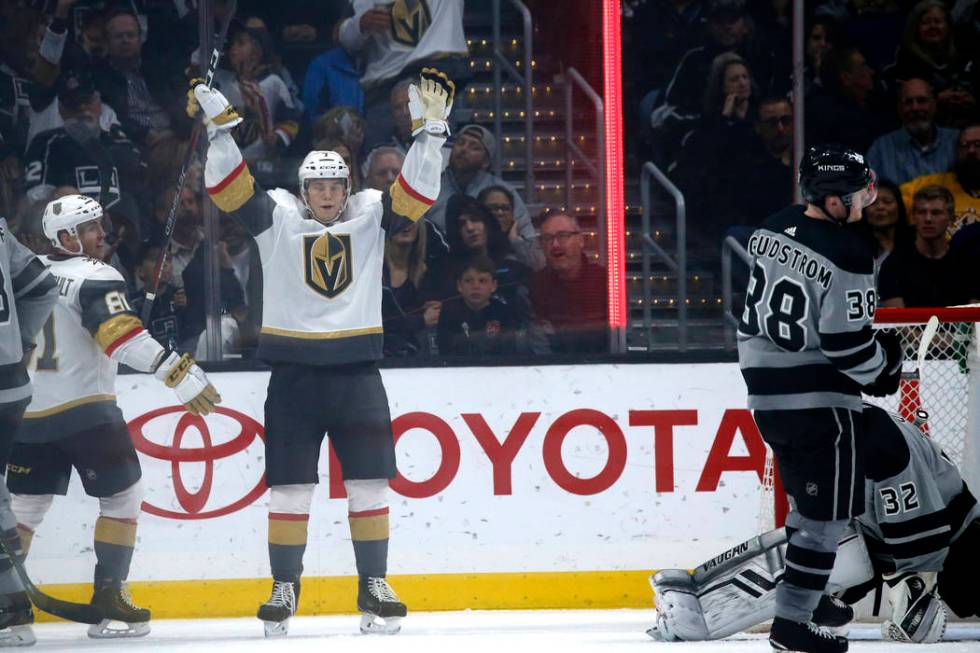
x: 806, y: 350
x: 322, y: 256
x: 73, y: 419
x: 921, y: 527
x: 27, y: 295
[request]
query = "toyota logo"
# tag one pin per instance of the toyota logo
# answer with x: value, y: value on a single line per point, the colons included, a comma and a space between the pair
x: 194, y: 502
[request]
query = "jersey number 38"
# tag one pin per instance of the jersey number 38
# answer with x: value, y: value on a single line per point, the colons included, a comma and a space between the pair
x: 782, y: 318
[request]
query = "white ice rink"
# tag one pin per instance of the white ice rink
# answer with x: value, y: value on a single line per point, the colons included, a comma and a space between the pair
x: 606, y: 631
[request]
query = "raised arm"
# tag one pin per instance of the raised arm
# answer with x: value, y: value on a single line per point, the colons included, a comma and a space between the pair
x: 34, y: 287
x: 417, y: 187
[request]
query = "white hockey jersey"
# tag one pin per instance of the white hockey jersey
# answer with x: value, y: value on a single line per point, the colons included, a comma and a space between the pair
x: 322, y: 284
x: 74, y: 380
x: 421, y: 30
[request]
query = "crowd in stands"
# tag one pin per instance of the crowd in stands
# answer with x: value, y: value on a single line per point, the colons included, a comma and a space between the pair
x: 93, y: 97
x: 896, y: 80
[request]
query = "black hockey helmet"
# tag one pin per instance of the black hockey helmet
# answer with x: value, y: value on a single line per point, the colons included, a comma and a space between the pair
x: 832, y: 169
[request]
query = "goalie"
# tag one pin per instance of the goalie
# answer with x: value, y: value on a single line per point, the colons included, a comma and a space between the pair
x: 918, y: 533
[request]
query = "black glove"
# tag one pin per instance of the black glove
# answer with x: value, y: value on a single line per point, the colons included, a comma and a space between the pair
x: 888, y: 379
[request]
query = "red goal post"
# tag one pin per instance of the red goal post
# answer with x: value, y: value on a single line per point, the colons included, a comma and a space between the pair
x: 947, y: 387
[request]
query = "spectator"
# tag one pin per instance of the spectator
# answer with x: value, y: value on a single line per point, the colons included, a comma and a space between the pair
x: 170, y: 304
x: 919, y: 147
x: 409, y: 319
x: 963, y: 181
x: 395, y: 46
x: 187, y: 233
x: 728, y: 29
x: 569, y: 295
x: 233, y: 307
x: 658, y: 34
x: 928, y: 272
x: 400, y: 115
x: 331, y: 80
x: 342, y: 124
x: 262, y: 97
x: 275, y: 61
x: 18, y: 54
x: 477, y: 322
x: 845, y: 110
x: 467, y: 174
x: 822, y: 37
x: 929, y: 52
x: 887, y: 219
x: 148, y: 96
x: 101, y: 164
x: 877, y: 25
x: 382, y: 167
x: 472, y: 231
x: 499, y: 200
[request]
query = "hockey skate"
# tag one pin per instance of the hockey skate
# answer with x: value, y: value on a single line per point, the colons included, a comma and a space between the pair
x: 16, y: 617
x: 120, y: 618
x: 807, y: 637
x: 275, y: 612
x: 381, y: 610
x: 831, y: 612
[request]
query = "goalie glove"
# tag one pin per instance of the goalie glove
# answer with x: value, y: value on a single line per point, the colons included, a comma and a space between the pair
x: 888, y: 379
x: 918, y: 614
x: 218, y: 112
x: 430, y: 102
x: 189, y: 382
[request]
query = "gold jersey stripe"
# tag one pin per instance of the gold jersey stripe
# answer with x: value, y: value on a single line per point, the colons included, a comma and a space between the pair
x: 406, y: 201
x: 287, y: 533
x: 234, y: 190
x: 363, y: 529
x: 313, y: 335
x: 60, y: 408
x: 113, y: 531
x: 114, y: 328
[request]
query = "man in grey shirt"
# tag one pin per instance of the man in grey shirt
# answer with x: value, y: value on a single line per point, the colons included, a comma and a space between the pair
x: 468, y: 174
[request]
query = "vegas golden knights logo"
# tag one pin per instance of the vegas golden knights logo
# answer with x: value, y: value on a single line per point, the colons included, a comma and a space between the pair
x: 411, y: 19
x: 327, y: 263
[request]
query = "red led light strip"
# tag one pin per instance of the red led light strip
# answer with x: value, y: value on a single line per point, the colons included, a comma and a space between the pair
x: 615, y: 203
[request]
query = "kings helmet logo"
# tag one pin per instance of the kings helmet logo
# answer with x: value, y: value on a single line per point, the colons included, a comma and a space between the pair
x: 327, y: 263
x: 410, y: 20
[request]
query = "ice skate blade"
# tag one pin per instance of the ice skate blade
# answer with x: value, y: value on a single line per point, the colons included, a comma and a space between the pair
x: 114, y: 629
x: 276, y: 628
x: 375, y: 625
x: 17, y: 636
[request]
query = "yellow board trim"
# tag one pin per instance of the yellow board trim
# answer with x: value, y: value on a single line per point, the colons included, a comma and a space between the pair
x: 203, y: 599
x: 60, y: 408
x: 332, y: 335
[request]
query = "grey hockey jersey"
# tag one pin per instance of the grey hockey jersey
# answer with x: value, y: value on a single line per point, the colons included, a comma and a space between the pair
x: 805, y: 338
x: 916, y: 502
x: 27, y: 295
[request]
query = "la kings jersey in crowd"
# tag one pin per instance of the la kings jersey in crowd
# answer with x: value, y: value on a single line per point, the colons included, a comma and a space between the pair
x: 322, y: 285
x: 805, y: 339
x: 917, y: 504
x: 421, y: 30
x: 74, y: 378
x: 26, y: 296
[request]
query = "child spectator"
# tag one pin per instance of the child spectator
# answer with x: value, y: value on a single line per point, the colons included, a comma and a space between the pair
x: 170, y: 304
x: 477, y: 323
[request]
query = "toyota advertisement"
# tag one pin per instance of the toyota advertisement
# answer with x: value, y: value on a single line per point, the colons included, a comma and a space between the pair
x: 548, y: 469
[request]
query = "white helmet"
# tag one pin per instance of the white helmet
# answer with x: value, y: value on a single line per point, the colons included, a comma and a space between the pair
x: 65, y: 214
x: 323, y: 164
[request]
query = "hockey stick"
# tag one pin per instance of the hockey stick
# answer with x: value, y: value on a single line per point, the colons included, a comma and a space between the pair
x: 932, y: 326
x: 84, y: 613
x: 168, y: 230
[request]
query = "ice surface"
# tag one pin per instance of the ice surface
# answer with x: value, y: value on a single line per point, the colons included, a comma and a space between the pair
x: 559, y: 631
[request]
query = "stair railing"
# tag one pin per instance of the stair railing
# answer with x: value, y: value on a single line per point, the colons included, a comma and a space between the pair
x: 729, y: 247
x: 526, y: 79
x: 597, y: 168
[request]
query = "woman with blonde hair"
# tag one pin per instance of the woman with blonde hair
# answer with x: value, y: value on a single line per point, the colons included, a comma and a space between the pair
x: 406, y: 312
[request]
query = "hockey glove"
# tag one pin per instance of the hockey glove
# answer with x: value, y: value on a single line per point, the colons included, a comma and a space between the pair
x: 189, y: 382
x: 218, y: 112
x: 888, y: 379
x: 918, y: 614
x: 430, y: 102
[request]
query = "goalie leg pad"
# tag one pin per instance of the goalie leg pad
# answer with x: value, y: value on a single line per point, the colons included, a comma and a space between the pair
x: 918, y: 614
x: 737, y: 589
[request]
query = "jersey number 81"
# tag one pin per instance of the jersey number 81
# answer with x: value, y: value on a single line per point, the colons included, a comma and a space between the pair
x: 785, y: 313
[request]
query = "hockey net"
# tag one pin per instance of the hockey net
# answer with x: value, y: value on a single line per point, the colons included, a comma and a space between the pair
x: 947, y: 387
